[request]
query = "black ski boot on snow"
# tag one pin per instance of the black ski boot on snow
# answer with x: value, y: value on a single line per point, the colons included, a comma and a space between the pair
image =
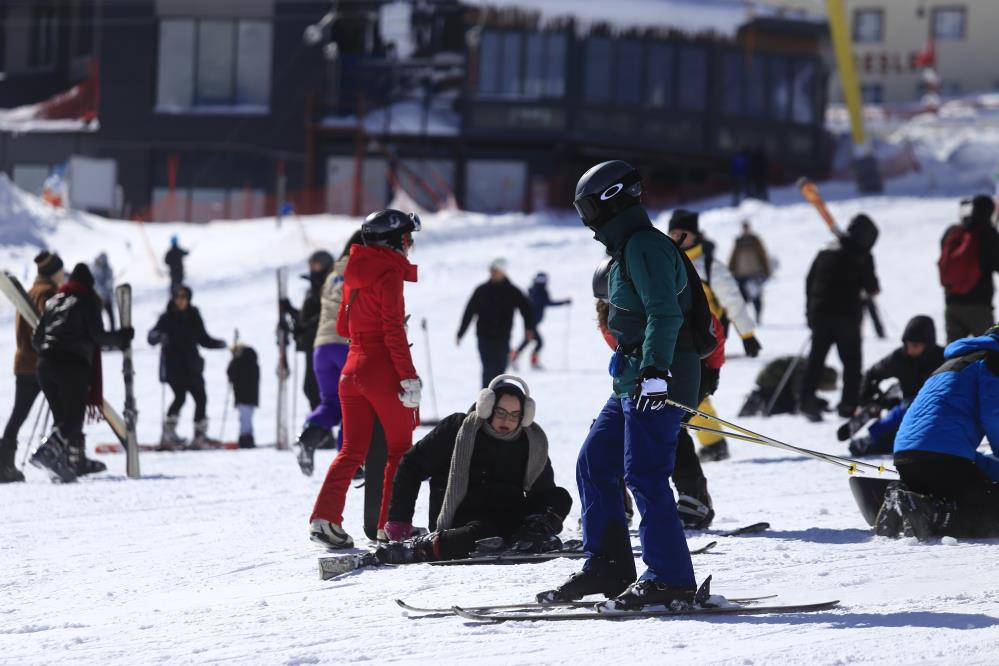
x: 9, y: 473
x: 423, y: 548
x: 644, y: 593
x: 310, y: 440
x: 923, y: 516
x: 694, y: 504
x: 600, y: 575
x: 246, y: 442
x: 82, y: 465
x: 51, y: 456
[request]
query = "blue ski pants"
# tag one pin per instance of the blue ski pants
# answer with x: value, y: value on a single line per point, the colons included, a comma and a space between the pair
x: 641, y: 447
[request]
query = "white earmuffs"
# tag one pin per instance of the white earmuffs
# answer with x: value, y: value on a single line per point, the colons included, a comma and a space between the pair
x: 487, y: 400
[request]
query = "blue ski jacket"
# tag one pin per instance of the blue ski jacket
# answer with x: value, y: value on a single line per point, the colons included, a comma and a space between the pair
x: 958, y: 406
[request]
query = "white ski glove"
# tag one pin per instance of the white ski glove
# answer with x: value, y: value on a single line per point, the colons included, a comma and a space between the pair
x: 410, y: 395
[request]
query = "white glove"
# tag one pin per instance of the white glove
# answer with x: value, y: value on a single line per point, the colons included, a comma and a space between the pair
x: 410, y: 395
x: 652, y: 395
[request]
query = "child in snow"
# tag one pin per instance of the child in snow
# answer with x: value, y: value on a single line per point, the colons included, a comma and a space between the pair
x: 244, y: 375
x: 540, y: 301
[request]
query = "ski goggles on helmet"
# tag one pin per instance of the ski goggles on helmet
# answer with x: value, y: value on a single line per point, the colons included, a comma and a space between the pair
x: 597, y: 208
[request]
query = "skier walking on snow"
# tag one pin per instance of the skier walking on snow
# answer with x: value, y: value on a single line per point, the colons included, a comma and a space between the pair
x: 834, y: 287
x: 378, y: 379
x: 329, y: 357
x: 540, y: 301
x: 490, y: 476
x: 969, y: 255
x: 26, y: 388
x: 69, y: 338
x: 181, y: 330
x: 634, y: 435
x: 750, y: 266
x: 492, y: 305
x: 726, y: 303
x: 174, y: 260
x: 947, y: 486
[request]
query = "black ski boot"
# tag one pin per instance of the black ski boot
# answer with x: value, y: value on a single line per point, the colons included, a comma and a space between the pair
x: 310, y: 440
x: 424, y: 548
x: 82, y: 465
x: 246, y: 442
x: 923, y: 516
x: 888, y: 522
x: 600, y: 575
x: 696, y: 512
x: 645, y: 593
x: 714, y: 452
x: 51, y: 456
x: 9, y: 473
x: 811, y: 409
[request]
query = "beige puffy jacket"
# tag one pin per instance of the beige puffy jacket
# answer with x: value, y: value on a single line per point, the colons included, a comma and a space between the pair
x: 330, y: 299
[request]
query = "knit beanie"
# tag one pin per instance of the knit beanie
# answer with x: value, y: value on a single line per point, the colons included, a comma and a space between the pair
x: 81, y: 273
x: 685, y: 220
x: 48, y: 263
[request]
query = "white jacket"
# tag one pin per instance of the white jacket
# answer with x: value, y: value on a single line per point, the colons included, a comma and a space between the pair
x: 723, y: 291
x: 329, y: 305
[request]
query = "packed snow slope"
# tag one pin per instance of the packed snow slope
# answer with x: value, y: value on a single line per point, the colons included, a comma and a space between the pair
x: 207, y: 558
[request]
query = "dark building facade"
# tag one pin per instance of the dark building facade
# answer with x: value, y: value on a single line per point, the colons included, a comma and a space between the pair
x: 205, y: 106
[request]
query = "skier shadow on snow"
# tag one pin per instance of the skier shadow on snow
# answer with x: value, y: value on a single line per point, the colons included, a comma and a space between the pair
x: 107, y: 478
x: 819, y: 535
x: 920, y: 619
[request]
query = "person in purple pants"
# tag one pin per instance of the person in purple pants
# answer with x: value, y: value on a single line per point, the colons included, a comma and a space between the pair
x: 329, y: 354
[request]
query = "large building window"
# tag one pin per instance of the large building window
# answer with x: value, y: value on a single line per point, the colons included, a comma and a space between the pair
x: 660, y: 80
x: 42, y: 49
x: 872, y: 93
x: 780, y: 88
x: 692, y: 93
x: 868, y: 26
x: 518, y: 65
x: 628, y: 90
x: 599, y: 70
x: 804, y: 91
x: 214, y: 64
x: 949, y: 23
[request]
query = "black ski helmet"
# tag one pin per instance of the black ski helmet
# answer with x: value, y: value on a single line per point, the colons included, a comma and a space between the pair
x: 601, y: 279
x: 388, y: 228
x: 324, y: 259
x: 605, y: 190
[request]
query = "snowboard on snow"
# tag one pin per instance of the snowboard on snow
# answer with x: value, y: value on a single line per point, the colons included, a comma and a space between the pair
x: 16, y: 294
x: 869, y: 494
x: 374, y: 480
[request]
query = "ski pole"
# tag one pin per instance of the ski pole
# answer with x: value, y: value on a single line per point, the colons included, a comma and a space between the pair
x: 851, y: 465
x: 45, y: 426
x: 430, y: 366
x: 786, y: 377
x: 228, y: 388
x: 42, y: 405
x: 294, y: 388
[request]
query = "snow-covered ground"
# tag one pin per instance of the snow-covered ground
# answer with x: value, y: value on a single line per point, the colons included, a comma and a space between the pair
x: 207, y: 559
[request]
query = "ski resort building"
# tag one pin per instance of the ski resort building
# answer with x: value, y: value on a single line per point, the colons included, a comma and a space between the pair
x: 238, y: 108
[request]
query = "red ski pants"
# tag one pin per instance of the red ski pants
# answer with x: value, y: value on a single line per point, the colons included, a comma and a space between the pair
x: 369, y: 388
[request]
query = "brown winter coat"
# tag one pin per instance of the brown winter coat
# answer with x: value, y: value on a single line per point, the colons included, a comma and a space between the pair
x: 749, y: 258
x: 25, y: 358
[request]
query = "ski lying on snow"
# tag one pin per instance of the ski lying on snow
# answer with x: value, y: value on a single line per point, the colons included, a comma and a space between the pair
x: 535, y: 605
x: 745, y: 529
x: 520, y: 558
x: 630, y: 615
x: 331, y: 566
x: 221, y: 446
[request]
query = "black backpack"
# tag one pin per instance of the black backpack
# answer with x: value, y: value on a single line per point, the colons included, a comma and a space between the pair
x: 698, y: 323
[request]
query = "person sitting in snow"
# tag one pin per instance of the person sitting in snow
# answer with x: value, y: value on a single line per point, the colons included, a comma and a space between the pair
x: 490, y: 476
x: 911, y: 364
x: 779, y: 374
x: 947, y: 486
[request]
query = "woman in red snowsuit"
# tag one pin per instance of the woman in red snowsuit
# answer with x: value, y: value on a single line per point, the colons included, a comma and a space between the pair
x: 378, y: 379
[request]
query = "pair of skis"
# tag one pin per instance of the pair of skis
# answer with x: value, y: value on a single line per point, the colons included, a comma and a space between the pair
x: 124, y: 428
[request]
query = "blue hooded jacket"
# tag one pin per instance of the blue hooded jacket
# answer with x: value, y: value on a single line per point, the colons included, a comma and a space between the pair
x: 958, y: 406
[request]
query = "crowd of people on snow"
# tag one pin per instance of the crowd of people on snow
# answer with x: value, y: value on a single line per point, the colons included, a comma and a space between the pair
x: 665, y: 304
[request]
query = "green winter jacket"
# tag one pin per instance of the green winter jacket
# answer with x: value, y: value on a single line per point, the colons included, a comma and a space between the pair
x: 648, y: 310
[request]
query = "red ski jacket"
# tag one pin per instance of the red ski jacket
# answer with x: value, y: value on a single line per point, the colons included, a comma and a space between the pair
x: 372, y: 312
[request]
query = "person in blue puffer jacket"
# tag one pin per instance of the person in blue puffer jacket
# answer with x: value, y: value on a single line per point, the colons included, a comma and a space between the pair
x: 947, y: 486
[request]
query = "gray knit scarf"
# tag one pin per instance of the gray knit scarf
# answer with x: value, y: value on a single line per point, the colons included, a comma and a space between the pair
x: 461, y: 460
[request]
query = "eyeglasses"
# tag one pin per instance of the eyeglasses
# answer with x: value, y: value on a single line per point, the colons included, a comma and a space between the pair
x: 503, y: 415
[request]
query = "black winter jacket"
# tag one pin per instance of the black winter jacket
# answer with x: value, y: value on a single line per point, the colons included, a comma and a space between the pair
x: 174, y: 260
x: 306, y: 320
x: 835, y: 280
x: 181, y: 332
x: 495, y: 485
x: 910, y: 372
x: 244, y: 375
x: 73, y: 324
x: 983, y: 292
x: 493, y: 303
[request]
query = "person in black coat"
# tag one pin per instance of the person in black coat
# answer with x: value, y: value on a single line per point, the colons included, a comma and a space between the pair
x: 837, y: 281
x: 493, y: 304
x: 489, y: 475
x: 69, y: 338
x: 306, y: 320
x: 969, y: 311
x: 181, y: 331
x: 244, y: 375
x: 174, y: 260
x: 911, y: 364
